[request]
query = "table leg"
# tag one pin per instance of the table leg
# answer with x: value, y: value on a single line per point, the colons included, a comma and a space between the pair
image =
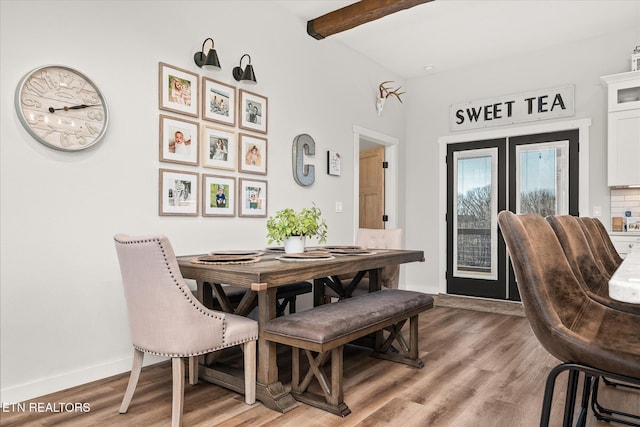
x: 204, y: 293
x: 375, y: 284
x: 375, y: 279
x: 270, y: 390
x: 318, y: 292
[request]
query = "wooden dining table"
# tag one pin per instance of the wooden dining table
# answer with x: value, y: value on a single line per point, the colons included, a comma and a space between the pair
x: 262, y: 280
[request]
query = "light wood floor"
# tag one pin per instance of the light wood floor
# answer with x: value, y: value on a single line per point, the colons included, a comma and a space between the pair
x: 481, y: 369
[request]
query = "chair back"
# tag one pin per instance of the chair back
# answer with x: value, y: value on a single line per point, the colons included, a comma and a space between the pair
x: 571, y: 326
x: 589, y: 272
x: 164, y: 316
x: 552, y: 298
x: 601, y: 244
x: 383, y: 239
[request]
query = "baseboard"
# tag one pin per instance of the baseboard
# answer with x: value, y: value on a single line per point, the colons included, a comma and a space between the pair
x: 512, y: 308
x: 56, y: 383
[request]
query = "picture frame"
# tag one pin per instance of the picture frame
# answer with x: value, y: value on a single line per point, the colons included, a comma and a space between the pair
x: 333, y: 163
x: 252, y: 154
x: 253, y: 111
x: 219, y: 148
x: 218, y: 102
x: 632, y: 223
x: 178, y: 193
x: 252, y: 198
x: 178, y: 90
x: 218, y: 195
x: 179, y: 140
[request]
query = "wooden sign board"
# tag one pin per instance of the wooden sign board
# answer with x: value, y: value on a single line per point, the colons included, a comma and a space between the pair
x: 504, y: 110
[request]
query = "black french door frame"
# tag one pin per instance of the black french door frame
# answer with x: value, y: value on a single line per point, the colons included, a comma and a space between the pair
x: 573, y: 137
x: 466, y: 285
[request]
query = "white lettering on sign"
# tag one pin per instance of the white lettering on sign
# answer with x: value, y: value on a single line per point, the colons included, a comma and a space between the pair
x: 504, y: 110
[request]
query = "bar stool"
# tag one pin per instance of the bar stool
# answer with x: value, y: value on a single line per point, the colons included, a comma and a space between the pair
x: 589, y: 338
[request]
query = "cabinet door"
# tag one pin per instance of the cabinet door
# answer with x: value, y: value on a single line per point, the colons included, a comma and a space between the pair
x: 624, y: 148
x: 624, y: 244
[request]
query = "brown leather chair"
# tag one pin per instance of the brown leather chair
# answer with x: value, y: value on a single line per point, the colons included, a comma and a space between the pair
x: 589, y: 272
x: 587, y: 337
x: 601, y: 244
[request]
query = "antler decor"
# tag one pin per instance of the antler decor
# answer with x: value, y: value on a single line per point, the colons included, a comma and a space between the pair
x: 385, y: 92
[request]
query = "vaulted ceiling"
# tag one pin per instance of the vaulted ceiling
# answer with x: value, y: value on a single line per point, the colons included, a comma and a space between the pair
x: 449, y: 34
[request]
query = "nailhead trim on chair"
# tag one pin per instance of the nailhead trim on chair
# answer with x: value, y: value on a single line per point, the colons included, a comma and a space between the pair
x: 189, y: 296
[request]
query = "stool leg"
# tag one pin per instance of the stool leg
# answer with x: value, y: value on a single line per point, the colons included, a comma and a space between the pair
x: 570, y: 402
x: 295, y: 370
x: 337, y: 394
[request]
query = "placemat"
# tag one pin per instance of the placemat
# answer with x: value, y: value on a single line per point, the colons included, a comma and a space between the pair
x: 225, y: 259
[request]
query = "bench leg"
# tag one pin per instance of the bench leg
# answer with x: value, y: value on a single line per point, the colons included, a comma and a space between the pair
x: 332, y: 398
x: 409, y: 352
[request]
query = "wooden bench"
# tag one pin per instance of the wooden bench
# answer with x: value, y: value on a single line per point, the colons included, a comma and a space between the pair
x: 325, y: 330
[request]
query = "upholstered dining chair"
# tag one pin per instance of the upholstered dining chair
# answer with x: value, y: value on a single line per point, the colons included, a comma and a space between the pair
x: 601, y: 245
x: 587, y: 337
x: 590, y: 273
x: 166, y: 319
x: 371, y: 238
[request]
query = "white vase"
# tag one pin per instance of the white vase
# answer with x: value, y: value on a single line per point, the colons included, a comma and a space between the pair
x: 294, y: 244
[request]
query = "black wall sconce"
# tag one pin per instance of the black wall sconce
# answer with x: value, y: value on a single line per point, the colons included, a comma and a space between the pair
x: 246, y: 76
x: 209, y: 60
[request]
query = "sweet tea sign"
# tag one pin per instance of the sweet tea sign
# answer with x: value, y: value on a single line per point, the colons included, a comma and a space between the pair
x: 504, y: 110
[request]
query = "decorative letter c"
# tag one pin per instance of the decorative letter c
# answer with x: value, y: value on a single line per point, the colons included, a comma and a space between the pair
x: 303, y: 174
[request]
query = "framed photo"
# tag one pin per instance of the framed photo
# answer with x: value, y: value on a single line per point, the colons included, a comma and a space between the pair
x: 253, y: 112
x: 218, y: 195
x: 218, y: 102
x: 253, y: 154
x: 178, y: 140
x: 178, y: 90
x: 218, y: 148
x: 178, y: 193
x: 252, y: 198
x: 333, y: 163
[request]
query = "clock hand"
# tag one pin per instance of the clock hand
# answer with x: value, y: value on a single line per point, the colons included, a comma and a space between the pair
x: 74, y: 107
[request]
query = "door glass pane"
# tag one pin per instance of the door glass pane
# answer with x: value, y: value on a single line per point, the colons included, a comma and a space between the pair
x: 474, y: 229
x: 543, y: 178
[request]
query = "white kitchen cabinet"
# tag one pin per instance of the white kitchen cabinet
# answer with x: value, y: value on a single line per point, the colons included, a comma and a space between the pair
x: 623, y: 129
x: 624, y: 242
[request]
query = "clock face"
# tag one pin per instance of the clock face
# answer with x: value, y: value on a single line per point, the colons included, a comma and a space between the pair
x: 61, y: 108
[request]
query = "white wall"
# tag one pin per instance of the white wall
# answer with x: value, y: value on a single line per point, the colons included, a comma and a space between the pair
x: 580, y: 64
x: 63, y: 316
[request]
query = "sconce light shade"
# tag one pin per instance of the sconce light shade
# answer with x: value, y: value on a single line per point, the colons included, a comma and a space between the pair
x: 247, y: 76
x: 210, y: 60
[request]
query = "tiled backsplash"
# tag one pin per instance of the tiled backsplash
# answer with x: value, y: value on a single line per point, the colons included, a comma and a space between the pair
x: 625, y: 199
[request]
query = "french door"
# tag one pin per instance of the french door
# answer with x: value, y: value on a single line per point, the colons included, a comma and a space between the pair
x: 525, y: 174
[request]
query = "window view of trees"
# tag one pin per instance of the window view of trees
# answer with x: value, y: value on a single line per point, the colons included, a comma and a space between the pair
x: 474, y: 223
x: 474, y: 230
x: 541, y: 202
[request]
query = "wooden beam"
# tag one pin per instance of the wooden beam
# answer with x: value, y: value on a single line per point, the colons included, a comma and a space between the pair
x: 356, y: 14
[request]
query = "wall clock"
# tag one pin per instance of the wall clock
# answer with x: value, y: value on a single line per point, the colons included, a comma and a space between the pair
x: 61, y: 108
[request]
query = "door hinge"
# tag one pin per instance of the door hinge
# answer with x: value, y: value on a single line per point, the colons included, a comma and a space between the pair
x: 385, y: 218
x: 385, y: 165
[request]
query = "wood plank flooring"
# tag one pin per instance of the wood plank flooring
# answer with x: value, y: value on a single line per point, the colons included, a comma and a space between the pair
x: 481, y: 369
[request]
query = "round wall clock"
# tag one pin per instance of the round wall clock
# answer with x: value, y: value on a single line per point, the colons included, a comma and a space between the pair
x: 61, y: 108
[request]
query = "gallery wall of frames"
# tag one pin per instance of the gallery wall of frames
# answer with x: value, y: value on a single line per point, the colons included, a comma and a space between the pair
x: 222, y: 131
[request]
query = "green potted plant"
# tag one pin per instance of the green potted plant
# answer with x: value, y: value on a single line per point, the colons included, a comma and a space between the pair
x: 292, y: 228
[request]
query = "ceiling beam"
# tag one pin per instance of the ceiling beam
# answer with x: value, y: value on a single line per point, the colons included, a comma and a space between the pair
x: 356, y: 14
